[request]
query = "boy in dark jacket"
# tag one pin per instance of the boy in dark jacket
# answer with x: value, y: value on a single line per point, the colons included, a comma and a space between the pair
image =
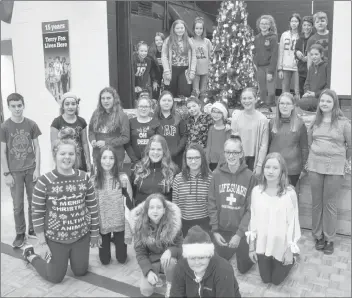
x: 202, y: 272
x: 229, y: 204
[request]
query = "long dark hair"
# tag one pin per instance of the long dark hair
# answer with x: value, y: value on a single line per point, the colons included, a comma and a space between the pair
x: 204, y: 168
x: 100, y: 117
x: 336, y: 112
x: 153, y: 48
x: 99, y: 176
x: 158, y: 108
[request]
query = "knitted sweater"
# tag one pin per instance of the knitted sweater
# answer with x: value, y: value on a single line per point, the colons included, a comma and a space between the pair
x: 191, y: 196
x: 111, y: 208
x: 293, y: 146
x: 64, y: 207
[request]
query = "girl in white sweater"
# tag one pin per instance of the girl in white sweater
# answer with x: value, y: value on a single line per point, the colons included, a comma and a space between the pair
x: 287, y: 65
x: 274, y: 228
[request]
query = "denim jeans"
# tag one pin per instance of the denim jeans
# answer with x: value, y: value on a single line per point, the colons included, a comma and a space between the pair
x: 200, y: 83
x: 146, y: 288
x: 325, y: 191
x: 286, y: 82
x: 267, y: 88
x: 22, y: 179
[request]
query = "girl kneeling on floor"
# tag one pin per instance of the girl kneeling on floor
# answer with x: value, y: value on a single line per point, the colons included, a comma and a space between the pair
x: 55, y: 196
x: 112, y: 188
x: 156, y: 224
x: 274, y: 228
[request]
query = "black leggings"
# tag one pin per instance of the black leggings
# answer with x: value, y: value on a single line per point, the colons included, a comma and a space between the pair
x: 120, y: 248
x: 293, y: 179
x: 178, y: 85
x: 271, y: 270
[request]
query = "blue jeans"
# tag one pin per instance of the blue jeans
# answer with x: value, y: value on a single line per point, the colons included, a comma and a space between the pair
x: 22, y: 179
x: 267, y: 88
x: 200, y: 83
x: 286, y: 82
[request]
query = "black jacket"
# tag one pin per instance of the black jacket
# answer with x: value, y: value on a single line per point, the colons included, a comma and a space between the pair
x: 218, y: 281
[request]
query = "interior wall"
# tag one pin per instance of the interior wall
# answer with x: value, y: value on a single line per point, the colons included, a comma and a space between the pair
x: 87, y: 22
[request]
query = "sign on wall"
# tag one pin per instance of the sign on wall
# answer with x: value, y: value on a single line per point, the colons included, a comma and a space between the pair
x: 56, y: 57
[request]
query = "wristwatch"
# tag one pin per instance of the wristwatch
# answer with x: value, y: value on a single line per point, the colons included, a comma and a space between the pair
x: 7, y: 173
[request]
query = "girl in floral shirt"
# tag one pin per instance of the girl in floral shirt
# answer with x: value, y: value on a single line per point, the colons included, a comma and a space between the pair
x: 198, y: 123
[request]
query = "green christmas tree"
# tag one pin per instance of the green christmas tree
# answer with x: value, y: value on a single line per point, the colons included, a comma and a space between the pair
x: 232, y: 67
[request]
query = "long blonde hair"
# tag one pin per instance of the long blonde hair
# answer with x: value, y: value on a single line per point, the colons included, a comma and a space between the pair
x: 168, y: 168
x: 270, y: 18
x: 172, y: 40
x: 294, y: 120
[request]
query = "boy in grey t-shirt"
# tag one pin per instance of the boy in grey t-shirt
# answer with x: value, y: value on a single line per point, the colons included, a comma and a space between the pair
x: 20, y: 158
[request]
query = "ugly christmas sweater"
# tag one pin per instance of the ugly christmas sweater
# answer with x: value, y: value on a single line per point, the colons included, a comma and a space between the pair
x: 64, y: 206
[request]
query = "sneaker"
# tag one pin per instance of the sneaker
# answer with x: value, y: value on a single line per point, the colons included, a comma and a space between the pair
x: 168, y: 289
x: 32, y: 234
x: 329, y: 248
x: 28, y: 251
x: 19, y: 241
x: 320, y: 244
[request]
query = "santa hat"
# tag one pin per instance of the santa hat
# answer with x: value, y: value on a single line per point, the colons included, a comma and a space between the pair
x: 221, y: 108
x: 197, y: 244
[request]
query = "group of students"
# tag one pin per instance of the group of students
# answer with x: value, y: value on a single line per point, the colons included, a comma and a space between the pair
x: 300, y: 57
x: 190, y: 178
x: 179, y: 63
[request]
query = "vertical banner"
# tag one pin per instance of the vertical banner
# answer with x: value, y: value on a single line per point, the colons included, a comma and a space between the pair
x: 56, y: 57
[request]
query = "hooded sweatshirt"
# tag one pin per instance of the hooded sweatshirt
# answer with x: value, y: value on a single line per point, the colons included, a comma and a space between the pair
x: 218, y: 281
x: 191, y: 196
x: 173, y: 129
x: 142, y: 69
x: 266, y: 51
x: 229, y: 199
x: 287, y: 59
x: 317, y: 78
x: 301, y: 45
x: 153, y: 183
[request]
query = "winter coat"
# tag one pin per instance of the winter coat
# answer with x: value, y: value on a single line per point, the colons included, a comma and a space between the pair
x: 147, y: 252
x: 218, y: 281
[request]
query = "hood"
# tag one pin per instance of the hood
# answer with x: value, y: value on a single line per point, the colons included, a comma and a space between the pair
x: 321, y: 63
x: 224, y: 168
x: 173, y: 220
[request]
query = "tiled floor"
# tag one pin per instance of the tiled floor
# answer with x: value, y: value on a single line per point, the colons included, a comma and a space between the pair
x: 316, y: 275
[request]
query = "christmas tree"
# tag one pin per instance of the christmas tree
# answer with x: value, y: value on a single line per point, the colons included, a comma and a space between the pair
x: 232, y: 67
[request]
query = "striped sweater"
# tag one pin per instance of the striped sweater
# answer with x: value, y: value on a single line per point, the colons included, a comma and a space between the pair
x: 191, y: 196
x: 64, y: 207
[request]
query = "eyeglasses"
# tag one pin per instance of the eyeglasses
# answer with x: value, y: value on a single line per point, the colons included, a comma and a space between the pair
x: 285, y: 104
x: 194, y: 158
x: 236, y: 153
x: 143, y: 107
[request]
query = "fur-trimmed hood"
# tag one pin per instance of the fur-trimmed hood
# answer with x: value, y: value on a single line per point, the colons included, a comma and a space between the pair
x: 172, y: 228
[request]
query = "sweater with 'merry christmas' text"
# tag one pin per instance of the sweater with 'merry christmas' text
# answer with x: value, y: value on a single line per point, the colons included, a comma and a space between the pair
x: 64, y: 206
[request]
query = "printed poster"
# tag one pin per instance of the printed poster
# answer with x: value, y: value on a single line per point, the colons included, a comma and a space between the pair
x: 57, y: 57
